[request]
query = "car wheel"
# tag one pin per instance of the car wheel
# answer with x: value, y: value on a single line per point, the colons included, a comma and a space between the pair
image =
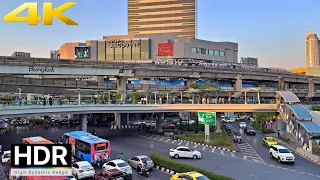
x: 271, y: 155
x: 195, y: 157
x: 279, y: 160
x: 176, y: 156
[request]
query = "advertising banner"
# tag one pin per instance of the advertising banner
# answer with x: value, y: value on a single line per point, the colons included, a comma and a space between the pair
x: 165, y: 49
x: 207, y: 118
x: 82, y: 52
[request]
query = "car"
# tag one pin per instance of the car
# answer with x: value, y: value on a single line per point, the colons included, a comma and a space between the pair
x: 237, y: 137
x: 3, y: 130
x: 229, y: 119
x: 189, y: 176
x: 168, y: 126
x: 250, y: 131
x: 5, y: 156
x: 6, y: 119
x: 268, y: 141
x: 281, y: 153
x: 112, y: 174
x: 137, y: 160
x: 185, y: 152
x: 118, y: 164
x: 82, y: 169
x: 242, y: 125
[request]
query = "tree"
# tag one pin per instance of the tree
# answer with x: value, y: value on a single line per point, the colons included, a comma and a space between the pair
x: 134, y: 96
x: 6, y: 97
x: 260, y: 117
x: 66, y: 96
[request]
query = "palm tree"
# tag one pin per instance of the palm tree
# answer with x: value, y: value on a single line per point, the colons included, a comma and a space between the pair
x: 134, y: 96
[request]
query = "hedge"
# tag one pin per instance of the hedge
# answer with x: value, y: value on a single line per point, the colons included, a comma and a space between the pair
x: 181, y: 168
x: 315, y: 108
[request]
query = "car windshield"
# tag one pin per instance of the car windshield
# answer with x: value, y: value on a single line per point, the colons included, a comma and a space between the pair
x: 7, y: 155
x: 271, y: 140
x: 145, y: 159
x: 122, y: 164
x: 202, y: 178
x: 284, y: 151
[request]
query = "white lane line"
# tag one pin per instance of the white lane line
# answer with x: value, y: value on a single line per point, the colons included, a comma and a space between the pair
x: 293, y: 170
x: 213, y: 149
x: 310, y: 174
x: 285, y: 169
x: 252, y: 175
x: 302, y: 172
x: 167, y: 140
x: 173, y: 141
x: 258, y: 155
x: 187, y: 144
x: 155, y: 138
x: 161, y: 139
x: 271, y: 165
x: 232, y: 154
x: 222, y: 152
x: 250, y: 154
x: 317, y: 175
x: 245, y: 157
x: 195, y: 146
x: 268, y: 172
x: 180, y: 142
x: 203, y: 148
x: 150, y: 137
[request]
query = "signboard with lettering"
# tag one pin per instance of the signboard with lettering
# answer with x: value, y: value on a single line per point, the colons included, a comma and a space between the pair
x: 122, y: 43
x: 207, y: 118
x: 165, y: 49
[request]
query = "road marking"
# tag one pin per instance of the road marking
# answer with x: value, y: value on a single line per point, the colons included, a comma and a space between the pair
x: 310, y: 174
x: 167, y: 140
x: 150, y: 137
x: 222, y: 152
x: 271, y: 165
x: 285, y: 169
x: 180, y: 143
x: 155, y: 138
x: 245, y: 157
x: 317, y: 175
x: 250, y: 154
x: 203, y: 148
x: 173, y: 141
x: 161, y: 139
x: 213, y: 149
x: 232, y: 154
x: 268, y: 172
x: 195, y: 146
x: 252, y: 175
x: 293, y: 170
x: 187, y: 144
x: 302, y: 172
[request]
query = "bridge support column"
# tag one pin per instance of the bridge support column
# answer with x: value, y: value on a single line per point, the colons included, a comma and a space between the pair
x: 310, y: 145
x: 281, y: 83
x: 311, y: 91
x: 122, y: 87
x: 83, y: 123
x: 238, y: 86
x: 218, y: 122
x: 121, y: 119
x: 158, y: 124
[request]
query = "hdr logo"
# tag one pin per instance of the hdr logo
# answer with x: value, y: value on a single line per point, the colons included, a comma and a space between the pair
x: 41, y: 160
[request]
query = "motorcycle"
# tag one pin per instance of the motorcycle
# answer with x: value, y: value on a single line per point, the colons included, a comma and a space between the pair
x: 144, y: 173
x: 97, y: 164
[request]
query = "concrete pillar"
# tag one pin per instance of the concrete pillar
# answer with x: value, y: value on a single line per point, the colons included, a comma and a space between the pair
x: 158, y: 124
x: 238, y: 86
x: 117, y: 119
x: 83, y: 123
x: 121, y: 119
x: 122, y: 87
x: 310, y: 146
x: 218, y: 122
x: 29, y: 99
x: 311, y: 91
x: 281, y: 83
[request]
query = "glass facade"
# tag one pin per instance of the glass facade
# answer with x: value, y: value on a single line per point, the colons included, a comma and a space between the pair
x: 126, y: 49
x: 210, y: 52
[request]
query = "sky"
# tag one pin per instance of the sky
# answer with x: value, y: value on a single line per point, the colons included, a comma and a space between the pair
x: 271, y: 30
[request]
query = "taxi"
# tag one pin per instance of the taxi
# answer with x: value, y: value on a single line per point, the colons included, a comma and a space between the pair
x: 269, y: 141
x: 189, y: 176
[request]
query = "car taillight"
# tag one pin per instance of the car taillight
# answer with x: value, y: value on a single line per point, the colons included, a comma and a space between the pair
x: 80, y: 171
x: 92, y: 169
x: 153, y: 163
x: 171, y: 150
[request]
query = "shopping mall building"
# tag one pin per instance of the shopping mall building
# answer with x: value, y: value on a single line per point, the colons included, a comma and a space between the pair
x: 156, y: 47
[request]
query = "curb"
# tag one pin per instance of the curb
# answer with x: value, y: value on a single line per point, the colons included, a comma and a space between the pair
x: 166, y: 170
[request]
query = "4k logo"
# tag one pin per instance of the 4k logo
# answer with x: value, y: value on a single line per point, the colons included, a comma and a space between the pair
x: 48, y: 14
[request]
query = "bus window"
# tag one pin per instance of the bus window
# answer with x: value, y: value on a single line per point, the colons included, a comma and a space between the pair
x: 100, y: 147
x: 83, y: 147
x: 65, y: 139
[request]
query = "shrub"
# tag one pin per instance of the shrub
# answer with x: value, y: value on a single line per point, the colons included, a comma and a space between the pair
x: 181, y: 168
x: 216, y: 139
x: 315, y: 108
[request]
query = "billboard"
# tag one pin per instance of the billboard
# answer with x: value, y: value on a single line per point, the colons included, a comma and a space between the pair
x: 207, y: 118
x: 82, y: 52
x: 165, y: 49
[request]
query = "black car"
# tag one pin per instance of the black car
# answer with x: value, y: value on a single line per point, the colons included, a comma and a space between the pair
x: 251, y: 131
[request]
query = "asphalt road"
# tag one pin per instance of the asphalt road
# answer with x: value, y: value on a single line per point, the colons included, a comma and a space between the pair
x: 16, y: 134
x: 255, y: 142
x: 135, y: 143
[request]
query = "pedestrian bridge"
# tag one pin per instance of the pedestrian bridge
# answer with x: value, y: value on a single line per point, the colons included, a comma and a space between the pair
x: 38, y: 110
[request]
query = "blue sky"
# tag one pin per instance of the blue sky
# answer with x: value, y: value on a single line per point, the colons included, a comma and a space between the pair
x: 271, y: 30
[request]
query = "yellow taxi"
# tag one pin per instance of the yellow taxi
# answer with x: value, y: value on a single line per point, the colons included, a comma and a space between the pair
x: 189, y: 176
x: 269, y: 141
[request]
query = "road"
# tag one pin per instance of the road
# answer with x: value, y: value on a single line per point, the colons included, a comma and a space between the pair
x: 215, y: 160
x: 16, y: 134
x: 258, y: 149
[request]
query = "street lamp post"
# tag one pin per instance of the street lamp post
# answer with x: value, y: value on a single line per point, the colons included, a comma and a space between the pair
x: 19, y: 92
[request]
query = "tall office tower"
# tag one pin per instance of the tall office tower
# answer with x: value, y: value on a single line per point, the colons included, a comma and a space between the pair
x: 312, y: 49
x: 162, y: 16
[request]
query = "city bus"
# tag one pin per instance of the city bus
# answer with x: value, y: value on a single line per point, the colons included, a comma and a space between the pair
x: 36, y: 140
x: 86, y: 146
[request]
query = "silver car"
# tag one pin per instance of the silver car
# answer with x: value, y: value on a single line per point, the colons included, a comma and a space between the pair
x: 137, y: 160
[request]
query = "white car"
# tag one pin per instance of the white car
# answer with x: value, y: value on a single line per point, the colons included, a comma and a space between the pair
x: 137, y: 160
x: 82, y: 169
x: 6, y: 156
x: 229, y: 119
x: 281, y: 153
x: 242, y: 124
x: 118, y: 164
x: 185, y: 152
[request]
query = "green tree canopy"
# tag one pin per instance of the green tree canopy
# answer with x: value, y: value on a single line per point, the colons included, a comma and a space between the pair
x: 259, y: 117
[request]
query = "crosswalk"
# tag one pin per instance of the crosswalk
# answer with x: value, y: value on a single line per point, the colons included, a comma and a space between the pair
x: 247, y: 153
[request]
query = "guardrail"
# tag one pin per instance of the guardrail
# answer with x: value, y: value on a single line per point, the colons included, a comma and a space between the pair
x: 133, y: 65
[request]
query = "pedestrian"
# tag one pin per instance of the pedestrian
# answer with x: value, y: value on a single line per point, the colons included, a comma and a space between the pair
x: 50, y: 101
x: 44, y: 101
x: 20, y: 102
x: 278, y: 134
